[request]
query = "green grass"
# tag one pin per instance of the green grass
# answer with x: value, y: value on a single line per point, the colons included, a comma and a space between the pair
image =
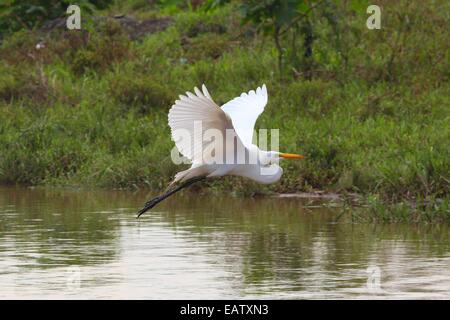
x: 91, y: 107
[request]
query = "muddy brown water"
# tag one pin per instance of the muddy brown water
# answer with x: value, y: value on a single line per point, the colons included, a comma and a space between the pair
x: 60, y: 243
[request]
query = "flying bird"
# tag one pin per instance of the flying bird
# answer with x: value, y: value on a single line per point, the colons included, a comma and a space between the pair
x: 228, y: 148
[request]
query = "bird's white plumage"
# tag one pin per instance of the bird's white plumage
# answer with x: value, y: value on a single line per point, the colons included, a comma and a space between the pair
x: 237, y: 117
x: 189, y: 110
x: 245, y: 110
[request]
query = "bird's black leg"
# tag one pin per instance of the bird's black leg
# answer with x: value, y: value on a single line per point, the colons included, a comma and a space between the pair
x: 153, y: 202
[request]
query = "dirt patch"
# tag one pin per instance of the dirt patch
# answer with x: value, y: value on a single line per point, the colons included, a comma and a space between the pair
x: 201, y: 27
x: 139, y: 28
x: 135, y: 28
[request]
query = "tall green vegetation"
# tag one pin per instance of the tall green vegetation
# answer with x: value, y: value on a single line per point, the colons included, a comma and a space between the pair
x: 369, y: 108
x: 294, y: 24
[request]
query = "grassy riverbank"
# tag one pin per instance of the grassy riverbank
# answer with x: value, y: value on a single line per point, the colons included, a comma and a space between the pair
x: 90, y: 108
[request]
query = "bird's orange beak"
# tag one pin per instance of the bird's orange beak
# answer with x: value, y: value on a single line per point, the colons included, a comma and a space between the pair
x: 291, y: 156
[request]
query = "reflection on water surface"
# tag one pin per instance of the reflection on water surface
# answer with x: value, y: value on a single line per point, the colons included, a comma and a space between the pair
x: 88, y: 244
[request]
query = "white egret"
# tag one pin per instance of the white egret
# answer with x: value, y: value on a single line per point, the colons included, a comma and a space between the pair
x: 196, y: 115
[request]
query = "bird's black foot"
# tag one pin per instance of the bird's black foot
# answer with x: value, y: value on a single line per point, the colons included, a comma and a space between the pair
x: 148, y: 205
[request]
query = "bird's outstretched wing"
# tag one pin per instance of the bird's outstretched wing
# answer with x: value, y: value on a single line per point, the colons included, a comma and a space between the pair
x: 190, y: 117
x: 244, y: 110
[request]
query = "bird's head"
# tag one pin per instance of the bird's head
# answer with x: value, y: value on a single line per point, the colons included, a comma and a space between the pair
x: 272, y: 157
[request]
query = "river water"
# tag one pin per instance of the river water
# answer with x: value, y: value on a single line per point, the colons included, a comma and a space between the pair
x: 72, y: 244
